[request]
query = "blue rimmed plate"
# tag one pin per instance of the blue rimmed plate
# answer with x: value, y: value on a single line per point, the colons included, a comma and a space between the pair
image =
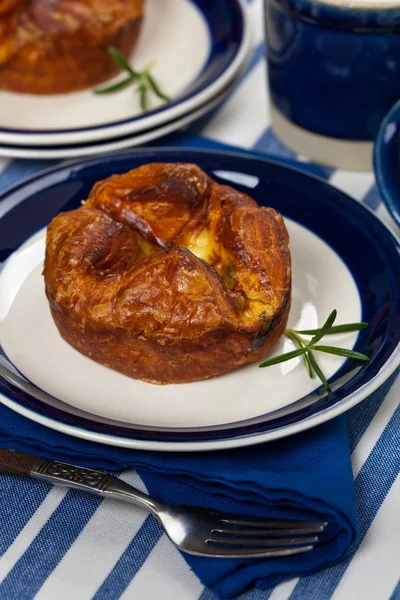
x: 387, y: 161
x: 117, y: 143
x: 219, y: 38
x: 343, y: 258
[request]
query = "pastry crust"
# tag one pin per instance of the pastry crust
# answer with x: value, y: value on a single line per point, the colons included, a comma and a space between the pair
x: 58, y: 46
x: 167, y: 276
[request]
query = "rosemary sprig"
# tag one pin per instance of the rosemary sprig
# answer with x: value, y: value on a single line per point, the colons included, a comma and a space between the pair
x: 291, y: 333
x: 306, y: 348
x: 144, y: 80
x: 337, y: 329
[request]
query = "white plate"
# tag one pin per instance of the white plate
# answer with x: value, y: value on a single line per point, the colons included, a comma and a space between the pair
x: 177, y: 36
x: 331, y: 236
x: 113, y: 145
x: 31, y: 341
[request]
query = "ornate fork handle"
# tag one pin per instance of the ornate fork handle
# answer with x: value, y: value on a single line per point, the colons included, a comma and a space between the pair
x: 59, y: 473
x: 80, y: 478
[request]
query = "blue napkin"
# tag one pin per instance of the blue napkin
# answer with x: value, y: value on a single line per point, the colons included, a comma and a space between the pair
x: 307, y: 476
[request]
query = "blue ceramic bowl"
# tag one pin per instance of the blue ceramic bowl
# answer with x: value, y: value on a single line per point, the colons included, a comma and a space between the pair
x: 334, y: 71
x: 387, y: 161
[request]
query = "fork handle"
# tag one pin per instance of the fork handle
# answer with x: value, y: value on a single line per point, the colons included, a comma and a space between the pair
x: 79, y: 478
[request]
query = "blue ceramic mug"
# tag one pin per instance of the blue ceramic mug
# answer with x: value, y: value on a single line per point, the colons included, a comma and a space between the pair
x: 334, y: 72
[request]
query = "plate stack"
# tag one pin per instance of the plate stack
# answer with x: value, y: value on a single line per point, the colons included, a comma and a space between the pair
x: 199, y: 48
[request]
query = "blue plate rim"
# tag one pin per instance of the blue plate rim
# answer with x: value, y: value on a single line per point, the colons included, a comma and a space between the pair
x: 386, y: 161
x: 240, y: 437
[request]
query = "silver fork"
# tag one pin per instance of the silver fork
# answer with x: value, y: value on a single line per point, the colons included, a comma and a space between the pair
x: 193, y: 530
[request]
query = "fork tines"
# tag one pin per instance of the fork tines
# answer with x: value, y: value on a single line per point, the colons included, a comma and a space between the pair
x: 264, y: 538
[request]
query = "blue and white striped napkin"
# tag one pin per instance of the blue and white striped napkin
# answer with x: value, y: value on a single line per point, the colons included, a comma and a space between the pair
x: 304, y: 477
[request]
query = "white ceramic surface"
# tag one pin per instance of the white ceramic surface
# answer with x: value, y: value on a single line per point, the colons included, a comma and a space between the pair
x: 118, y: 144
x: 343, y: 154
x: 32, y: 342
x: 175, y: 36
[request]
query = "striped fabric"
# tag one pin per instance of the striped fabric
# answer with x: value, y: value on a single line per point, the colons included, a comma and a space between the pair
x: 54, y: 546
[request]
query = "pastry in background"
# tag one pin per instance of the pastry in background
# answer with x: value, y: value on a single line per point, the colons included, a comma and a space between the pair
x: 59, y: 46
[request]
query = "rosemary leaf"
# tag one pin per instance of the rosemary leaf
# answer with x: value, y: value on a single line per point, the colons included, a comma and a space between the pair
x: 327, y: 325
x: 142, y: 89
x: 283, y: 357
x: 336, y: 329
x: 116, y: 87
x: 121, y: 62
x: 308, y: 364
x: 154, y: 86
x: 318, y: 372
x: 342, y: 352
x: 296, y: 338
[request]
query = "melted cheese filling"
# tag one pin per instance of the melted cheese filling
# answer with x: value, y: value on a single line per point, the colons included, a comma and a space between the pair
x: 204, y: 245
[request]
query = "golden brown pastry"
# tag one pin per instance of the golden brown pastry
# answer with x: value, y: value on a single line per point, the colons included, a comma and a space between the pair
x: 166, y: 276
x: 57, y: 46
